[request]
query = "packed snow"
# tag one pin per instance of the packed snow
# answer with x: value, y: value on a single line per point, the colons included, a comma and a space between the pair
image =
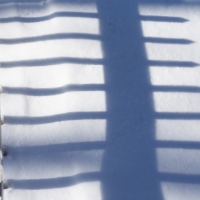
x: 101, y: 99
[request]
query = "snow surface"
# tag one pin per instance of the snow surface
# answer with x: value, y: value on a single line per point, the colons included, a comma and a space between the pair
x: 101, y: 99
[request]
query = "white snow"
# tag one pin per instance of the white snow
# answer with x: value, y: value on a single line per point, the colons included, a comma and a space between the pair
x: 176, y: 130
x: 53, y: 71
x: 176, y: 161
x: 19, y: 165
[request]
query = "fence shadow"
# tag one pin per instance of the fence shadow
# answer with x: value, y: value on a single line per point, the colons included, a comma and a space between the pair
x: 129, y: 167
x: 130, y: 157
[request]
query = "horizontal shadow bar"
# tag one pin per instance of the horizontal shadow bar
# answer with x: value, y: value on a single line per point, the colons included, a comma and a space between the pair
x: 188, y: 89
x: 178, y: 144
x: 39, y: 1
x: 59, y: 182
x: 50, y: 61
x: 53, y: 91
x: 56, y: 148
x: 19, y: 1
x: 177, y: 116
x: 179, y: 178
x: 48, y: 17
x: 54, y: 118
x: 172, y: 63
x: 162, y: 18
x: 57, y: 36
x: 167, y: 40
x: 61, y: 60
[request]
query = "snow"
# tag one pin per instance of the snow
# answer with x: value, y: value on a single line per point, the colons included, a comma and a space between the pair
x: 180, y: 95
x: 100, y: 99
x: 48, y: 94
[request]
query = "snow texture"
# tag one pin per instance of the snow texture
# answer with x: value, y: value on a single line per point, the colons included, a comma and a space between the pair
x: 101, y: 99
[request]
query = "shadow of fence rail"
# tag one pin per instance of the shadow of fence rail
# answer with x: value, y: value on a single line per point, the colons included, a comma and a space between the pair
x: 129, y: 168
